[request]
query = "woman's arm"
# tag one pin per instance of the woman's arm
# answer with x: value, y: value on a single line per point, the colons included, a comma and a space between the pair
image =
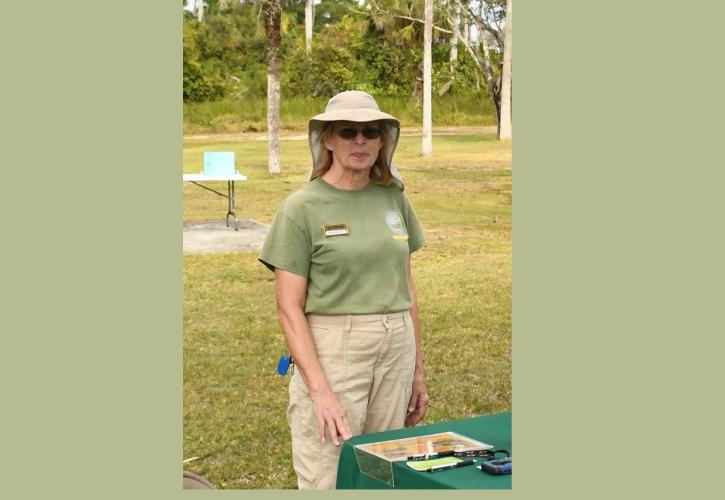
x: 291, y: 297
x: 418, y: 405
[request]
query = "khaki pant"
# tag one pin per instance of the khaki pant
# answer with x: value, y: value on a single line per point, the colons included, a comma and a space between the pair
x: 369, y: 362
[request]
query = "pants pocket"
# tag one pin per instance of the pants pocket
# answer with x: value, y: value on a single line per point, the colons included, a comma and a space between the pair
x: 300, y: 414
x: 407, y: 356
x: 330, y: 344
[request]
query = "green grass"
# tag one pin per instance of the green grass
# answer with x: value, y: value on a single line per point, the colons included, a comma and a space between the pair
x: 250, y: 114
x: 235, y: 404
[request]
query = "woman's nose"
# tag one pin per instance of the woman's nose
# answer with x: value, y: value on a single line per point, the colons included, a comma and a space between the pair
x: 359, y: 137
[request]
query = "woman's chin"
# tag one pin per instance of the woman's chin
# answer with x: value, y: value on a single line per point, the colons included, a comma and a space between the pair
x: 359, y: 166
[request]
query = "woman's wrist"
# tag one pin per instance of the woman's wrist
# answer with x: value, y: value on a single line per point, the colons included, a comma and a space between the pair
x: 319, y: 389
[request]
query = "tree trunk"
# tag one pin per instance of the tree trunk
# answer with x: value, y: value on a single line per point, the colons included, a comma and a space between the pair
x: 505, y: 131
x: 272, y: 20
x: 483, y: 64
x: 493, y: 84
x: 427, y: 148
x: 200, y: 10
x: 309, y: 22
x: 454, y: 38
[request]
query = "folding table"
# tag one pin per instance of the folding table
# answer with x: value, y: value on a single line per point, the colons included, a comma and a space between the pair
x: 219, y: 166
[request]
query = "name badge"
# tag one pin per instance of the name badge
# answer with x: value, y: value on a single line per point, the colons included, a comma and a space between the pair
x: 336, y: 230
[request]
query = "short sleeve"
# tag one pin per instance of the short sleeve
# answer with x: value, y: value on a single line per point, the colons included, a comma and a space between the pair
x: 416, y: 238
x: 286, y: 246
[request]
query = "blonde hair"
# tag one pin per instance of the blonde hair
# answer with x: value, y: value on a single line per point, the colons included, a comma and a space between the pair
x: 380, y: 172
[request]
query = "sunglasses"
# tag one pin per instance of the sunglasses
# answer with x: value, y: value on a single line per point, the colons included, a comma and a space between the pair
x: 367, y: 132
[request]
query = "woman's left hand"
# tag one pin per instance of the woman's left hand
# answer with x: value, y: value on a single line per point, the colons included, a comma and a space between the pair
x: 418, y: 405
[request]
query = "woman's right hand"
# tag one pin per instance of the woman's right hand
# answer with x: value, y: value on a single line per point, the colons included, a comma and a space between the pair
x: 331, y: 414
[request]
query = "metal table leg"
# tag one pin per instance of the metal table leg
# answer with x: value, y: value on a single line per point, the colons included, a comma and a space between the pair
x: 232, y: 211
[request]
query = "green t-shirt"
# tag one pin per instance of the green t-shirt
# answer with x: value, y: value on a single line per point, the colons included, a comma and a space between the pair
x: 352, y: 246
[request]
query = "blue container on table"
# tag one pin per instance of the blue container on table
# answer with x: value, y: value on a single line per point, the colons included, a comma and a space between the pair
x: 219, y: 163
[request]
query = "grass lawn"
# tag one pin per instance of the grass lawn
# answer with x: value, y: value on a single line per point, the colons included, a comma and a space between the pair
x: 235, y: 403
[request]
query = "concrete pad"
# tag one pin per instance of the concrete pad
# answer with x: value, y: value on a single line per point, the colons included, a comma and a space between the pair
x: 216, y: 237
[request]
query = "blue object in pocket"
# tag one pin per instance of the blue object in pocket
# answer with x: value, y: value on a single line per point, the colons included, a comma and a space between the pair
x: 284, y: 364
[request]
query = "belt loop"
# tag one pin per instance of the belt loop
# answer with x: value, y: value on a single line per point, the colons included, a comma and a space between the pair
x: 348, y: 323
x: 386, y: 324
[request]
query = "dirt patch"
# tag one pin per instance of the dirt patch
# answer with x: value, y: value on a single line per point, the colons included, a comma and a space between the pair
x: 216, y: 237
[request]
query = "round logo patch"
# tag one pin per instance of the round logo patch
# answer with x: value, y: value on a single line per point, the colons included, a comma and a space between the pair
x: 395, y: 222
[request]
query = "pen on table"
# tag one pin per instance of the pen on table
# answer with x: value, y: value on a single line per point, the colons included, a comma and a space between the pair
x: 462, y: 463
x: 429, y: 448
x: 424, y: 456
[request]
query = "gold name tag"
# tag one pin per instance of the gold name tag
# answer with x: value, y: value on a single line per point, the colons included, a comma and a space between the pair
x: 400, y: 236
x: 336, y: 230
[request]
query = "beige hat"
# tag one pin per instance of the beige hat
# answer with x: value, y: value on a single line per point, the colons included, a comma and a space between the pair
x: 354, y: 106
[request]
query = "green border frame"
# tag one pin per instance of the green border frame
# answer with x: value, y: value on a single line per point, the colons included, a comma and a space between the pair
x: 616, y: 218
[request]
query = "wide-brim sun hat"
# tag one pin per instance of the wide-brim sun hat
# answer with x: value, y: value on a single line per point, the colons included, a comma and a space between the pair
x: 354, y: 106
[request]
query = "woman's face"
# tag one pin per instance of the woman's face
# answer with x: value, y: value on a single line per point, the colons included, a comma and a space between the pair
x: 357, y: 152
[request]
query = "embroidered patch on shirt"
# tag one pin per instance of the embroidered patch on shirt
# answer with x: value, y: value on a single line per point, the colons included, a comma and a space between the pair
x: 395, y: 222
x: 336, y: 230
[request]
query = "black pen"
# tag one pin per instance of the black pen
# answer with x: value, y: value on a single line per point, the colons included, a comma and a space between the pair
x: 423, y: 456
x: 462, y: 463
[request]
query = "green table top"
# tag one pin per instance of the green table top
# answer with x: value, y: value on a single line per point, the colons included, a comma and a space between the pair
x: 492, y: 429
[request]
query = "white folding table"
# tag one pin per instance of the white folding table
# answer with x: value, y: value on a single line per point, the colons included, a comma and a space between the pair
x: 197, y: 178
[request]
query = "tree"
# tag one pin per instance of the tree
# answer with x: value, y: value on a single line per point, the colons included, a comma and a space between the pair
x: 272, y: 21
x: 454, y: 38
x: 427, y: 147
x: 200, y: 10
x: 309, y: 22
x: 505, y: 131
x: 487, y: 22
x: 379, y: 49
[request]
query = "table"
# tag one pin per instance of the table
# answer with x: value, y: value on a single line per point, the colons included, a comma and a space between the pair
x: 492, y: 429
x: 231, y: 211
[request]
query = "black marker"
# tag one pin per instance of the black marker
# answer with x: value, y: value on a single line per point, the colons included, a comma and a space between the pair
x: 437, y: 468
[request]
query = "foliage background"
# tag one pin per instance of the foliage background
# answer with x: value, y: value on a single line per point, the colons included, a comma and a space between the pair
x: 225, y: 67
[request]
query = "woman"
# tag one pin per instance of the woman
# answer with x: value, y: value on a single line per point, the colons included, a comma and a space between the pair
x: 340, y: 250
